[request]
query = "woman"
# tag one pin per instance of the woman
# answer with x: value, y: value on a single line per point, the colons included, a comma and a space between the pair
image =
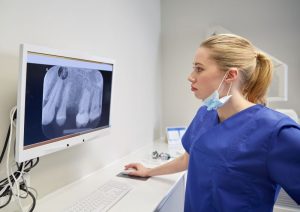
x: 238, y: 152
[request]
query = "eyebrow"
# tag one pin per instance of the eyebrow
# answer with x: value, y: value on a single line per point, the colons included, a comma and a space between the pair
x: 198, y: 64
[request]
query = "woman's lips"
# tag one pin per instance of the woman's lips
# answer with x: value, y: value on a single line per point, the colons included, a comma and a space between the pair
x: 193, y: 88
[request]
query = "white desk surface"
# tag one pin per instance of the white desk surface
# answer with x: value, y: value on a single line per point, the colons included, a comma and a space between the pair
x: 145, y: 195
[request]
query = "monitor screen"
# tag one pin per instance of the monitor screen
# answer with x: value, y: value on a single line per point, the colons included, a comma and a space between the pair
x: 64, y: 98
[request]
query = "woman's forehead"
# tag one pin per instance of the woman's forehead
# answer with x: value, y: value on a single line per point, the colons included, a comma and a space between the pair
x: 202, y: 57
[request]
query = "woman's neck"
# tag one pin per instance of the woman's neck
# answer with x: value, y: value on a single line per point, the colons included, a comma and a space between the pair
x: 234, y: 105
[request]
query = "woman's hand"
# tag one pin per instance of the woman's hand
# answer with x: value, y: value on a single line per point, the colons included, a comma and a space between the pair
x: 177, y: 165
x: 138, y: 170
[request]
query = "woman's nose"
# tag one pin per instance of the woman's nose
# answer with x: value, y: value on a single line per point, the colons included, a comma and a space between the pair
x: 191, y: 78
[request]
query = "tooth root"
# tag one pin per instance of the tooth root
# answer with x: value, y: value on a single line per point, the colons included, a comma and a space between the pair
x: 96, y: 100
x: 82, y: 118
x: 61, y: 115
x: 48, y: 112
x: 96, y: 106
x: 50, y: 80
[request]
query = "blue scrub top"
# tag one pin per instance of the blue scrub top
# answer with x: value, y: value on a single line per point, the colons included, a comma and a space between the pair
x: 239, y: 164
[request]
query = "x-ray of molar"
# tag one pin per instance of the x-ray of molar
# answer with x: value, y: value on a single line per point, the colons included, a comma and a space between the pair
x: 72, y: 100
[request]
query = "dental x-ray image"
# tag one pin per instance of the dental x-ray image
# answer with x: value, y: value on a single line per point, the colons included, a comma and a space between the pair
x: 72, y: 100
x: 64, y: 101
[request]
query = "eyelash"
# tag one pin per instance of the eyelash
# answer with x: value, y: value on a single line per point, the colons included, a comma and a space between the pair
x: 197, y: 69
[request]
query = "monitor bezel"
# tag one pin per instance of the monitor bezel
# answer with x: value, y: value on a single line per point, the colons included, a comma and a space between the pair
x: 22, y: 154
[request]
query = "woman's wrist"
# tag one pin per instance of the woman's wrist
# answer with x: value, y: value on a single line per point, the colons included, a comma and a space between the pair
x: 148, y: 172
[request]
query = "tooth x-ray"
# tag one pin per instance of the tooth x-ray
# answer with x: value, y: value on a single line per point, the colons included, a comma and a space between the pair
x: 72, y: 100
x: 65, y: 98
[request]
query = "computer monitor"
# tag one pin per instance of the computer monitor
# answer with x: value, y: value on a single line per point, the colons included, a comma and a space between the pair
x: 64, y: 99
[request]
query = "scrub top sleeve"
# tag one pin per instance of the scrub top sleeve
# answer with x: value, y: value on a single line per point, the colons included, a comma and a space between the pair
x: 283, y: 161
x: 186, y: 138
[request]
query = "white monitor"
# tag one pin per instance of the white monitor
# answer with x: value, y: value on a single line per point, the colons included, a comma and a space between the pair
x: 64, y: 99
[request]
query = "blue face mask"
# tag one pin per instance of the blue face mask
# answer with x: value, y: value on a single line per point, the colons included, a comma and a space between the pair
x: 213, y: 102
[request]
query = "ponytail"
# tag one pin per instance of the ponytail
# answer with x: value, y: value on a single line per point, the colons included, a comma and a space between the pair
x: 255, y: 88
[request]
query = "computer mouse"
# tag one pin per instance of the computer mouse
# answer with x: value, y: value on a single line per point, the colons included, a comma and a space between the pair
x: 127, y: 171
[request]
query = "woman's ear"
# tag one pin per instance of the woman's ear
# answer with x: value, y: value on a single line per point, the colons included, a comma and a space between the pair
x: 232, y: 75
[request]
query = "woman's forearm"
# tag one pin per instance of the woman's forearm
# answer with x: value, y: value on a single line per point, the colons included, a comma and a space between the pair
x: 177, y: 165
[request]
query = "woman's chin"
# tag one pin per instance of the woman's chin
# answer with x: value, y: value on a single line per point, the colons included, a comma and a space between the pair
x: 198, y: 96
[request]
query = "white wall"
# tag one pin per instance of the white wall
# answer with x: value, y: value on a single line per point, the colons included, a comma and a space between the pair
x: 272, y: 25
x: 125, y: 30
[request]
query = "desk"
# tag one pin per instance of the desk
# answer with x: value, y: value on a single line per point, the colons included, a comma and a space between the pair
x: 161, y: 193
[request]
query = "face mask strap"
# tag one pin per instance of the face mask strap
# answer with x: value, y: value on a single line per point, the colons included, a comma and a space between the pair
x: 229, y: 89
x: 222, y: 83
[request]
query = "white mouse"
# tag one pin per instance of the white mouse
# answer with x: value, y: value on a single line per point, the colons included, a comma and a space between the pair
x: 128, y: 171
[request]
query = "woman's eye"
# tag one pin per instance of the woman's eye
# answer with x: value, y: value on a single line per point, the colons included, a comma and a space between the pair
x: 197, y: 69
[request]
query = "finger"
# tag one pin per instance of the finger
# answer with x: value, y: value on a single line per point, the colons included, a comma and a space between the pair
x: 128, y: 166
x: 131, y: 165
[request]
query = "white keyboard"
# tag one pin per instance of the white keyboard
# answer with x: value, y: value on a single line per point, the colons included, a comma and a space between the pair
x: 103, y: 198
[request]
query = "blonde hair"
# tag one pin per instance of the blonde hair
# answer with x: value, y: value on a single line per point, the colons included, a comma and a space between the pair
x: 255, y: 67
